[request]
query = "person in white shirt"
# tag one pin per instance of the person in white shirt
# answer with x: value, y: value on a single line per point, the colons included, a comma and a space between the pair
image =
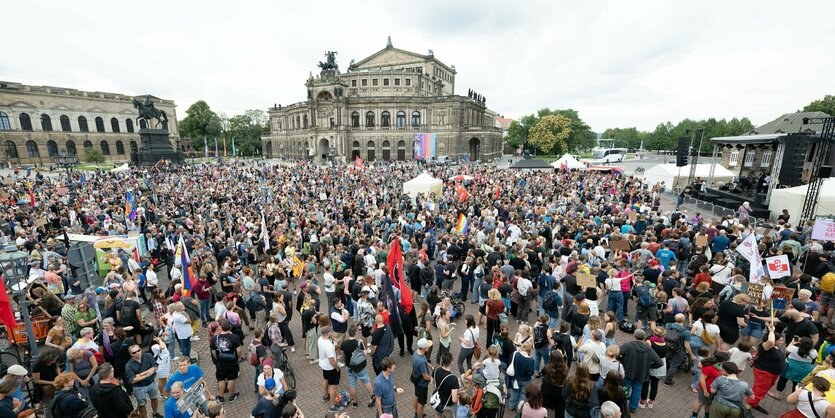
x: 330, y: 286
x: 330, y: 368
x: 175, y: 273
x: 182, y: 328
x: 592, y: 353
x: 524, y: 285
x: 468, y: 342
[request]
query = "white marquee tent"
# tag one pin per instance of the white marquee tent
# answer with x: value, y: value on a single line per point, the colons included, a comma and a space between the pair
x: 792, y: 199
x: 674, y: 177
x: 570, y: 162
x: 423, y: 183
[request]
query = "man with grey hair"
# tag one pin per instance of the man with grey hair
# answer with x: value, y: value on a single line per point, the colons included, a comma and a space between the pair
x: 812, y: 307
x: 637, y: 359
x: 610, y: 409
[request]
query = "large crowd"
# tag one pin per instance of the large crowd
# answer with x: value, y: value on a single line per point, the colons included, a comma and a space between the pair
x: 528, y: 277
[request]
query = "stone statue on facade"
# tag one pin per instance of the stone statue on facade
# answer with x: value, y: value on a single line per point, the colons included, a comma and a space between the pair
x: 147, y: 111
x: 330, y: 61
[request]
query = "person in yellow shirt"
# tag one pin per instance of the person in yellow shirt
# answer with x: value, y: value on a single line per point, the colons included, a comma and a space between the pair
x: 827, y: 302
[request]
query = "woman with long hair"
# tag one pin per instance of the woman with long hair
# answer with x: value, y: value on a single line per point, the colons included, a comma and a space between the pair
x: 800, y: 361
x: 614, y: 390
x: 811, y: 402
x: 445, y: 332
x: 610, y: 327
x: 523, y: 365
x: 554, y: 376
x: 579, y: 394
x: 44, y: 371
x: 424, y: 316
x: 492, y: 308
x: 532, y: 406
x: 650, y: 389
x: 468, y: 342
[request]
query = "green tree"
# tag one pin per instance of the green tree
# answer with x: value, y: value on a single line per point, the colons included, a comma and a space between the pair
x: 625, y: 137
x: 825, y: 105
x: 200, y: 122
x: 551, y: 134
x: 580, y: 138
x: 93, y: 155
x: 247, y: 130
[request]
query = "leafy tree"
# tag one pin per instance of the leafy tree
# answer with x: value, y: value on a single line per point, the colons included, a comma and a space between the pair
x: 581, y: 137
x: 247, y: 130
x: 825, y: 105
x: 666, y: 135
x: 625, y: 137
x: 551, y: 133
x: 200, y: 122
x: 93, y: 155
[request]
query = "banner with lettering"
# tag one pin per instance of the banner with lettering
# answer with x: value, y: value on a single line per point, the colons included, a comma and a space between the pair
x: 824, y: 229
x: 748, y: 250
x: 778, y: 266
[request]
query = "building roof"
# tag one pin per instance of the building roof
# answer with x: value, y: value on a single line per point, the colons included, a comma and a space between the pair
x: 791, y: 123
x: 747, y: 139
x: 532, y: 164
x: 401, y: 56
x: 503, y: 122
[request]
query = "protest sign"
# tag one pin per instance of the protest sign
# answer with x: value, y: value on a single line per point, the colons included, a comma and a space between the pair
x: 778, y: 266
x: 754, y: 290
x: 191, y: 400
x: 780, y: 296
x: 824, y: 229
x: 701, y: 240
x: 620, y: 245
x: 585, y: 279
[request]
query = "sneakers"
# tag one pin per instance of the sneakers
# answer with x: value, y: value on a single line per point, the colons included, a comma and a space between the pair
x: 195, y: 338
x: 642, y: 404
x: 220, y: 399
x: 353, y: 404
x: 326, y: 398
x: 650, y: 404
x: 372, y: 402
x: 693, y: 389
x: 668, y: 382
x: 234, y: 396
x: 292, y: 349
x: 334, y: 408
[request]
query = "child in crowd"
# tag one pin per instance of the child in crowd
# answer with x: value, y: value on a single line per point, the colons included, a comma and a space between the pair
x: 742, y: 355
x: 462, y: 410
x: 701, y: 353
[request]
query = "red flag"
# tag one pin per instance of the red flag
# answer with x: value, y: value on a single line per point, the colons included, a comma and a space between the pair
x: 394, y: 261
x: 32, y: 198
x: 6, y: 312
x: 358, y: 162
x: 497, y: 192
x: 462, y: 193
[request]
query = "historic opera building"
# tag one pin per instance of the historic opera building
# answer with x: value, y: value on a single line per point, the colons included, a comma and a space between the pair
x: 378, y: 108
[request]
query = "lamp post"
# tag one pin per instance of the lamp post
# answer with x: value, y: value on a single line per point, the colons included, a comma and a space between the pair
x: 67, y: 161
x: 13, y: 264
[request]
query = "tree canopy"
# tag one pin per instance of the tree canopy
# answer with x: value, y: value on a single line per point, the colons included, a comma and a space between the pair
x: 580, y: 136
x: 246, y: 129
x: 200, y: 121
x: 551, y: 133
x: 825, y: 105
x: 665, y: 136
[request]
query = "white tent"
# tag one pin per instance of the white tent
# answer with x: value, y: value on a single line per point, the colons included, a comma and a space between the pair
x: 673, y: 176
x: 424, y: 183
x: 570, y: 162
x: 792, y: 199
x: 123, y: 167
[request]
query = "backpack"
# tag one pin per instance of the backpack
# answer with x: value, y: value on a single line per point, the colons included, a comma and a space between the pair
x: 57, y: 410
x: 644, y: 297
x: 265, y: 339
x: 550, y: 302
x: 426, y: 276
x: 253, y: 352
x: 540, y: 336
x: 673, y: 338
x: 224, y: 353
x: 357, y: 358
x: 127, y: 314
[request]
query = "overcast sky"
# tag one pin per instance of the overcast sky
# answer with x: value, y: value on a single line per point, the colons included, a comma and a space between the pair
x: 619, y: 63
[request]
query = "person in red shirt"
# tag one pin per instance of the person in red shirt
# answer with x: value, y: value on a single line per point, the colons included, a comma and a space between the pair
x: 703, y: 276
x: 711, y: 369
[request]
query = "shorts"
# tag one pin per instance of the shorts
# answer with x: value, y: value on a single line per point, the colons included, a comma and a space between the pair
x: 366, y: 331
x: 827, y: 300
x: 482, y: 309
x: 337, y: 338
x: 227, y: 371
x: 754, y: 330
x: 422, y: 393
x: 332, y: 376
x: 704, y: 400
x: 143, y: 393
x: 646, y: 313
x: 361, y: 375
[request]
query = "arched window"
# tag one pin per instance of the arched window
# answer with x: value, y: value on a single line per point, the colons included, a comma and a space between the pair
x: 32, y: 149
x: 46, y: 122
x: 304, y: 121
x: 385, y: 119
x: 133, y: 147
x: 371, y: 152
x: 355, y: 120
x: 369, y: 119
x: 386, y: 150
x: 65, y: 123
x: 143, y: 124
x: 99, y: 124
x: 749, y: 158
x: 129, y: 124
x: 105, y: 147
x: 25, y: 122
x: 4, y: 122
x: 114, y: 125
x: 11, y: 150
x: 71, y: 148
x: 82, y: 124
x: 415, y: 118
x: 401, y: 119
x: 734, y: 158
x: 767, y: 155
x: 51, y: 148
x: 120, y: 147
x: 88, y: 144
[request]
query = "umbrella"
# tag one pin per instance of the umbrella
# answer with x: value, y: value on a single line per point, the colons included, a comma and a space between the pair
x: 461, y: 177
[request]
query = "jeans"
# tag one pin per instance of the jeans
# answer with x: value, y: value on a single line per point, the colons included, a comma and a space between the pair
x: 554, y: 317
x: 466, y: 354
x: 539, y: 310
x: 204, y: 311
x: 476, y: 289
x: 625, y: 308
x: 185, y: 346
x: 676, y: 359
x: 615, y: 304
x: 517, y: 395
x: 465, y: 286
x: 541, y: 354
x: 258, y: 370
x: 635, y: 386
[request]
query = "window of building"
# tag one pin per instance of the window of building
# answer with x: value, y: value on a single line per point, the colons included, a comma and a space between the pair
x: 375, y: 82
x: 304, y: 122
x: 385, y: 82
x: 51, y: 148
x: 364, y: 83
x: 766, y: 161
x: 369, y: 119
x: 355, y: 120
x: 65, y: 123
x: 143, y: 124
x: 749, y: 158
x: 32, y: 149
x: 46, y: 122
x: 25, y: 122
x: 734, y: 158
x: 401, y: 119
x: 82, y: 124
x: 71, y: 148
x: 416, y: 118
x: 129, y: 124
x: 11, y: 150
x: 5, y: 125
x: 353, y: 83
x: 120, y: 147
x: 385, y: 119
x: 114, y: 125
x: 88, y: 144
x: 99, y: 124
x: 408, y: 82
x: 105, y: 147
x: 396, y: 81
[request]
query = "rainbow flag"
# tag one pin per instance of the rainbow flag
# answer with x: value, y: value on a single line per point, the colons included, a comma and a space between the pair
x: 463, y: 224
x: 130, y: 207
x: 185, y: 264
x: 424, y: 146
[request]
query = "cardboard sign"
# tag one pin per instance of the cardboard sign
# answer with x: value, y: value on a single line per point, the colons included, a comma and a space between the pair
x: 824, y: 229
x: 40, y: 222
x: 633, y: 216
x: 620, y: 245
x: 754, y: 290
x: 778, y: 266
x: 781, y: 295
x: 701, y: 240
x: 586, y: 280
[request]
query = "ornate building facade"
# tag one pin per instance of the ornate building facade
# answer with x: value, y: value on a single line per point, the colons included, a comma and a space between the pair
x: 38, y: 123
x: 376, y: 109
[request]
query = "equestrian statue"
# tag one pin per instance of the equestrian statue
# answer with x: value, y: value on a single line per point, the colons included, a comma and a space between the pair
x: 147, y: 111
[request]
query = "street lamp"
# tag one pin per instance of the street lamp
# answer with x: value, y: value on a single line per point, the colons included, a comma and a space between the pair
x: 13, y: 263
x: 67, y: 161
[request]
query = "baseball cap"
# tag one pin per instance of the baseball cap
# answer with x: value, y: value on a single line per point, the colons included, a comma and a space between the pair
x: 17, y: 370
x: 269, y: 384
x: 366, y: 289
x: 325, y: 330
x: 424, y: 343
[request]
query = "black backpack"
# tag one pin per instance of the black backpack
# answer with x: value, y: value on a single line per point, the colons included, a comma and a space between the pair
x: 549, y: 302
x: 673, y: 338
x: 540, y: 336
x: 426, y: 276
x: 127, y: 314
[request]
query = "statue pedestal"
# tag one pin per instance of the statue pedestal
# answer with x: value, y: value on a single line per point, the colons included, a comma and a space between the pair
x: 155, y: 146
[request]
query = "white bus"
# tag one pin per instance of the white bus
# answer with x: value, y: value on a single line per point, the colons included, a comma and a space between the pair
x: 610, y: 155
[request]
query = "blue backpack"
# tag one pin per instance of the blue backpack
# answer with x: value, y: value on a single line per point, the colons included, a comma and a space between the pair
x: 644, y: 297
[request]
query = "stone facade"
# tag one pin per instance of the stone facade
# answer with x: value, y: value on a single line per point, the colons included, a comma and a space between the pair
x: 375, y: 109
x: 39, y: 122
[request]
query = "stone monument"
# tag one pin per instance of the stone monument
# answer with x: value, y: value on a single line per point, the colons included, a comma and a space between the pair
x: 155, y: 145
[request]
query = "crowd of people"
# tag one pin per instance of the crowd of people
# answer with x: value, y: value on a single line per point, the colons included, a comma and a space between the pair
x: 510, y: 294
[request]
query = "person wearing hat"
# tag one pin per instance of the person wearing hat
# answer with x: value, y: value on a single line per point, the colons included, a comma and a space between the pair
x: 421, y: 375
x: 266, y: 407
x: 19, y: 374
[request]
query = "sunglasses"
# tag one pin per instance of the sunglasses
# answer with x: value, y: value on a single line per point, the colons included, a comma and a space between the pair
x: 136, y: 351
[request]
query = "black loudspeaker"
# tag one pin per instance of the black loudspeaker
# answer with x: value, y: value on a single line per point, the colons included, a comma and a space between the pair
x: 794, y: 156
x: 825, y: 172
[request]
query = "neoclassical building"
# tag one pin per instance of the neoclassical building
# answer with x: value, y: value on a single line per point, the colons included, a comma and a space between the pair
x: 376, y: 109
x: 38, y: 123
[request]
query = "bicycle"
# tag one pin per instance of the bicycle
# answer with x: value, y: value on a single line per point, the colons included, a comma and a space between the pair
x: 458, y: 305
x: 283, y: 364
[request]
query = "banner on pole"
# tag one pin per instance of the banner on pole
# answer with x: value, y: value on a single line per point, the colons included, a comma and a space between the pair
x: 778, y: 266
